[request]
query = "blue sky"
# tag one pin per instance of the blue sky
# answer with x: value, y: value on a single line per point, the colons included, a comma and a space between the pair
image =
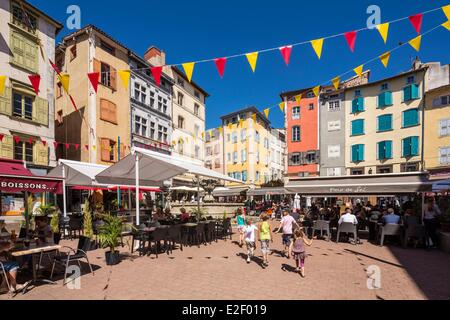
x: 196, y: 30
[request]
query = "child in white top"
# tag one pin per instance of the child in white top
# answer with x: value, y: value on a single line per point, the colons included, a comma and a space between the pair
x: 250, y: 236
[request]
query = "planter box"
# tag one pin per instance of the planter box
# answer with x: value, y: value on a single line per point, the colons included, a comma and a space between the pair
x: 445, y: 242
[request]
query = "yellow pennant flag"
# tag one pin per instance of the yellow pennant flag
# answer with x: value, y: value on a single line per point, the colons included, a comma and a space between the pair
x: 187, y: 140
x: 174, y: 142
x: 241, y: 122
x: 254, y: 117
x: 2, y: 85
x: 359, y: 70
x: 316, y: 90
x: 317, y: 46
x: 383, y: 29
x: 230, y: 126
x: 125, y: 77
x: 336, y: 81
x: 252, y: 59
x: 298, y: 98
x: 446, y: 10
x: 282, y: 107
x: 189, y: 69
x: 266, y: 113
x: 385, y: 58
x: 203, y: 135
x: 220, y: 130
x: 446, y: 25
x: 415, y: 43
x: 65, y: 81
x: 94, y: 148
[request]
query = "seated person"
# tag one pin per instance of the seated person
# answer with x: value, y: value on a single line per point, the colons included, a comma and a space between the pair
x: 391, y: 217
x: 43, y: 230
x: 184, y: 215
x: 348, y: 217
x: 159, y: 215
x: 2, y: 227
x: 168, y: 214
x: 11, y: 268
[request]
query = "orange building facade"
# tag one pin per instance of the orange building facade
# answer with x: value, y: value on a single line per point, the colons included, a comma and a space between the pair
x: 302, y: 126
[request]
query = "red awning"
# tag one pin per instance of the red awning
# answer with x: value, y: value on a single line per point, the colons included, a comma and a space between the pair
x: 29, y: 184
x: 141, y: 189
x: 13, y: 168
x: 89, y: 188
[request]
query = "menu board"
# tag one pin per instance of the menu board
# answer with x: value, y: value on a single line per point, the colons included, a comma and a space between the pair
x: 12, y: 205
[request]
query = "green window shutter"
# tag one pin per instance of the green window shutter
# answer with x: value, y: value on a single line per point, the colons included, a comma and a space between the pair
x: 7, y: 148
x: 407, y: 93
x: 414, y: 146
x: 357, y: 127
x: 40, y: 111
x: 410, y: 117
x: 385, y: 122
x: 355, y: 153
x: 360, y: 104
x: 361, y: 152
x: 406, y: 146
x: 5, y: 102
x: 381, y: 100
x: 415, y: 91
x: 355, y: 105
x: 380, y: 150
x: 388, y: 98
x: 388, y: 149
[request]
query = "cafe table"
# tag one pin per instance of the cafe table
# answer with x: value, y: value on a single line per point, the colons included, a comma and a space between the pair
x: 36, y: 252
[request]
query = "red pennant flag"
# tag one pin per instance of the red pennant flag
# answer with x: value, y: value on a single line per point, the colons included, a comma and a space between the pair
x: 35, y: 80
x: 30, y: 140
x: 54, y: 66
x: 16, y: 139
x: 220, y: 64
x: 156, y: 72
x: 67, y: 146
x: 86, y: 146
x: 55, y: 144
x: 416, y: 21
x: 73, y: 103
x: 1, y: 137
x: 351, y: 39
x: 93, y: 78
x: 286, y: 53
x: 44, y: 143
x: 77, y: 146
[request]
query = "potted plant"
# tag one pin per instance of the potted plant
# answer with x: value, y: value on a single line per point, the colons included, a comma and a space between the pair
x: 88, y: 228
x: 199, y: 212
x: 109, y: 237
x: 225, y: 215
x: 54, y: 225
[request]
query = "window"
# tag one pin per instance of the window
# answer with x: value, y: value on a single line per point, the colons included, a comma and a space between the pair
x: 310, y: 157
x: 357, y: 171
x: 257, y: 157
x: 244, y: 176
x: 162, y: 133
x: 152, y: 99
x: 180, y: 98
x: 296, y: 113
x: 140, y: 92
x: 197, y: 152
x: 441, y: 101
x: 229, y: 157
x: 23, y: 151
x: 243, y: 134
x: 58, y: 90
x: 409, y: 167
x: 180, y: 122
x: 411, y: 92
x: 197, y: 94
x: 105, y: 78
x: 310, y: 94
x: 234, y: 137
x: 23, y: 105
x: 410, y: 147
x: 334, y: 125
x: 228, y: 137
x: 152, y: 130
x: 384, y: 150
x: 384, y: 87
x: 180, y: 82
x: 385, y: 99
x: 181, y: 146
x: 108, y: 111
x: 357, y: 93
x: 140, y: 126
x: 107, y: 47
x: 295, y: 159
x: 257, y: 137
x: 196, y: 109
x: 73, y: 52
x: 358, y: 105
x: 384, y: 123
x: 334, y: 105
x: 311, y: 106
x: 334, y: 172
x: 266, y: 143
x: 25, y: 52
x: 24, y: 20
x: 410, y: 118
x: 444, y: 156
x: 334, y: 151
x: 107, y: 150
x: 444, y: 127
x: 235, y: 157
x: 357, y: 153
x: 112, y: 145
x: 410, y: 80
x: 208, y: 151
x: 59, y: 117
x: 296, y: 134
x: 257, y: 176
x: 357, y: 127
x: 243, y: 155
x: 384, y: 169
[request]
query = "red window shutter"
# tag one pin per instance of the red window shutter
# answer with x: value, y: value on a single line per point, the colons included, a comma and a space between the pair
x: 113, y: 78
x: 105, y: 150
x: 97, y: 66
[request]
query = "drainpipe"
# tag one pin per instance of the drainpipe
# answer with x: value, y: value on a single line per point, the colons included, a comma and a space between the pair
x: 422, y: 161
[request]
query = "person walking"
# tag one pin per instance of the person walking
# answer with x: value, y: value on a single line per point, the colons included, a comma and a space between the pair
x: 265, y: 237
x: 297, y: 250
x: 430, y: 215
x: 250, y: 231
x: 287, y: 223
x: 241, y: 225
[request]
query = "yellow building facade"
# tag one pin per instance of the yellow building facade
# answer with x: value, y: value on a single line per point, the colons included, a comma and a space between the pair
x: 246, y: 136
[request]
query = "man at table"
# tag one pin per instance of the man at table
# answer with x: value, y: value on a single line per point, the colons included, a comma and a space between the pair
x: 391, y: 217
x: 44, y: 231
x: 11, y: 268
x: 348, y: 217
x: 184, y: 215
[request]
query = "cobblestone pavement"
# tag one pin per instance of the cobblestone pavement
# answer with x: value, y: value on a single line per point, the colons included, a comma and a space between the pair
x: 220, y: 271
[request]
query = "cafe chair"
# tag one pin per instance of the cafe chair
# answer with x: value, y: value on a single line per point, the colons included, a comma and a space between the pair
x: 390, y: 230
x: 348, y: 228
x: 2, y: 269
x: 174, y: 237
x: 160, y: 234
x: 321, y: 225
x: 416, y: 231
x: 64, y: 259
x: 141, y: 237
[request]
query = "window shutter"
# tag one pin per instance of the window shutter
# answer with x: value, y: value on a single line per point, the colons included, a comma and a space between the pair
x: 40, y: 106
x: 354, y: 153
x: 40, y: 154
x: 361, y: 152
x: 388, y: 98
x: 380, y: 150
x: 105, y: 150
x: 407, y: 93
x: 381, y: 99
x: 388, y: 149
x: 31, y: 55
x: 7, y: 147
x: 414, y: 146
x: 414, y: 91
x: 355, y: 106
x: 113, y: 78
x: 406, y: 146
x: 360, y: 104
x: 18, y: 49
x: 5, y: 102
x: 97, y: 66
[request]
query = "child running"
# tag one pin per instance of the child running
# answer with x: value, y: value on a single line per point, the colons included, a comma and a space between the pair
x: 265, y: 236
x: 287, y: 225
x: 297, y: 250
x: 249, y: 231
x: 241, y: 225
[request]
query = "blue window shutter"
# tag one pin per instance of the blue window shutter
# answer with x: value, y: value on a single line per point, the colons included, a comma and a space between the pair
x: 388, y: 98
x: 407, y: 93
x: 388, y: 149
x: 361, y: 152
x: 410, y: 117
x: 415, y: 91
x: 357, y: 127
x: 380, y: 150
x: 354, y: 153
x: 382, y: 99
x: 355, y: 106
x: 360, y: 104
x: 406, y: 146
x: 415, y: 116
x: 385, y: 122
x: 414, y: 146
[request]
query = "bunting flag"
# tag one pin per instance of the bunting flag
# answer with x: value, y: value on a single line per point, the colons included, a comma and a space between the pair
x: 203, y: 137
x: 316, y: 90
x: 230, y: 126
x: 220, y: 64
x: 252, y: 59
x: 30, y: 140
x: 67, y: 146
x: 286, y: 53
x: 446, y: 10
x: 86, y: 146
x: 94, y: 147
x: 383, y: 29
x: 385, y: 58
x: 94, y: 78
x: 446, y: 25
x: 2, y: 85
x: 415, y: 43
x: 416, y: 21
x: 55, y: 144
x: 317, y: 46
x: 241, y: 122
x: 65, y: 81
x: 77, y: 146
x: 1, y: 137
x: 189, y: 69
x: 266, y: 112
x: 44, y: 143
x: 16, y: 139
x: 336, y: 81
x: 254, y: 117
x: 298, y: 98
x: 35, y: 80
x: 351, y: 39
x: 156, y: 73
x: 125, y: 77
x: 359, y: 70
x: 281, y: 105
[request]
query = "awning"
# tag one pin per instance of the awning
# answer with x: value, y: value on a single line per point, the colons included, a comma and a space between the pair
x: 30, y: 184
x: 443, y: 185
x: 77, y: 173
x: 13, y: 168
x: 228, y: 192
x: 395, y: 183
x: 268, y: 191
x: 141, y: 189
x: 184, y: 188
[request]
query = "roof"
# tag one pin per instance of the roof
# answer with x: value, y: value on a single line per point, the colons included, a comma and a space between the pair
x: 14, y: 168
x: 179, y: 72
x: 141, y: 60
x: 59, y: 26
x: 294, y: 92
x: 447, y: 86
x: 252, y: 109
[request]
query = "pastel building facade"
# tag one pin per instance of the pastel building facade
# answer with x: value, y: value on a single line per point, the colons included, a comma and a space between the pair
x: 214, y: 150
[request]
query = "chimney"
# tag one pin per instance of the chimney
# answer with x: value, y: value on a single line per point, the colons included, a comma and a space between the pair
x: 155, y: 56
x: 416, y: 63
